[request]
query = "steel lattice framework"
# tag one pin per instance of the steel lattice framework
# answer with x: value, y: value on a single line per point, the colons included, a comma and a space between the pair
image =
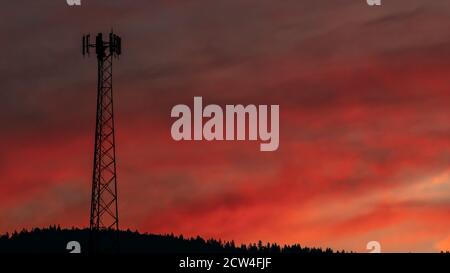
x: 104, y: 208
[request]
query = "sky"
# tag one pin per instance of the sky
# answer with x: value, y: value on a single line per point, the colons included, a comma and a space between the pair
x: 364, y: 99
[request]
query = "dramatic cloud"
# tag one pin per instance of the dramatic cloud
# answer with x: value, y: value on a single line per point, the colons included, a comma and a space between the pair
x: 364, y: 119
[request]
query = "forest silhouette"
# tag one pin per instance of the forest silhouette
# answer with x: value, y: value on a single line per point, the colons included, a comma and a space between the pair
x: 54, y: 240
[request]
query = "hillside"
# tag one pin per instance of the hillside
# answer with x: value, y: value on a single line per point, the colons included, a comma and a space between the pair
x: 55, y: 239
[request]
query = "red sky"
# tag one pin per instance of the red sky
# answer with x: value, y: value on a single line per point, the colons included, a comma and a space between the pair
x: 364, y: 99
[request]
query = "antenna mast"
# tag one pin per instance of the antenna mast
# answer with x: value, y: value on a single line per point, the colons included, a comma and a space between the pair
x: 104, y: 209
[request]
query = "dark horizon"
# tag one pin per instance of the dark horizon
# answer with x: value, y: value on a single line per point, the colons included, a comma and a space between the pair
x: 54, y: 239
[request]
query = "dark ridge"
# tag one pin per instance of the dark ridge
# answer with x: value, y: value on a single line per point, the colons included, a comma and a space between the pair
x: 54, y: 240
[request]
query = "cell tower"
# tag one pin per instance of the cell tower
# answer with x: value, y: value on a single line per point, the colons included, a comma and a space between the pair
x: 104, y: 210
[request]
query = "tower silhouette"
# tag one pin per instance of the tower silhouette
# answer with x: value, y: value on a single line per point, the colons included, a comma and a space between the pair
x: 104, y: 209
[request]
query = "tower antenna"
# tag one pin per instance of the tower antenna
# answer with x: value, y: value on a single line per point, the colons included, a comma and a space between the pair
x: 104, y: 209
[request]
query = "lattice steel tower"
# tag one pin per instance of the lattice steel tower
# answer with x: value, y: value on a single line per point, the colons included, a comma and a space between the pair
x: 104, y: 210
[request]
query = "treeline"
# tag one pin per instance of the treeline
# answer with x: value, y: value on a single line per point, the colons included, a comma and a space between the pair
x: 54, y: 240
